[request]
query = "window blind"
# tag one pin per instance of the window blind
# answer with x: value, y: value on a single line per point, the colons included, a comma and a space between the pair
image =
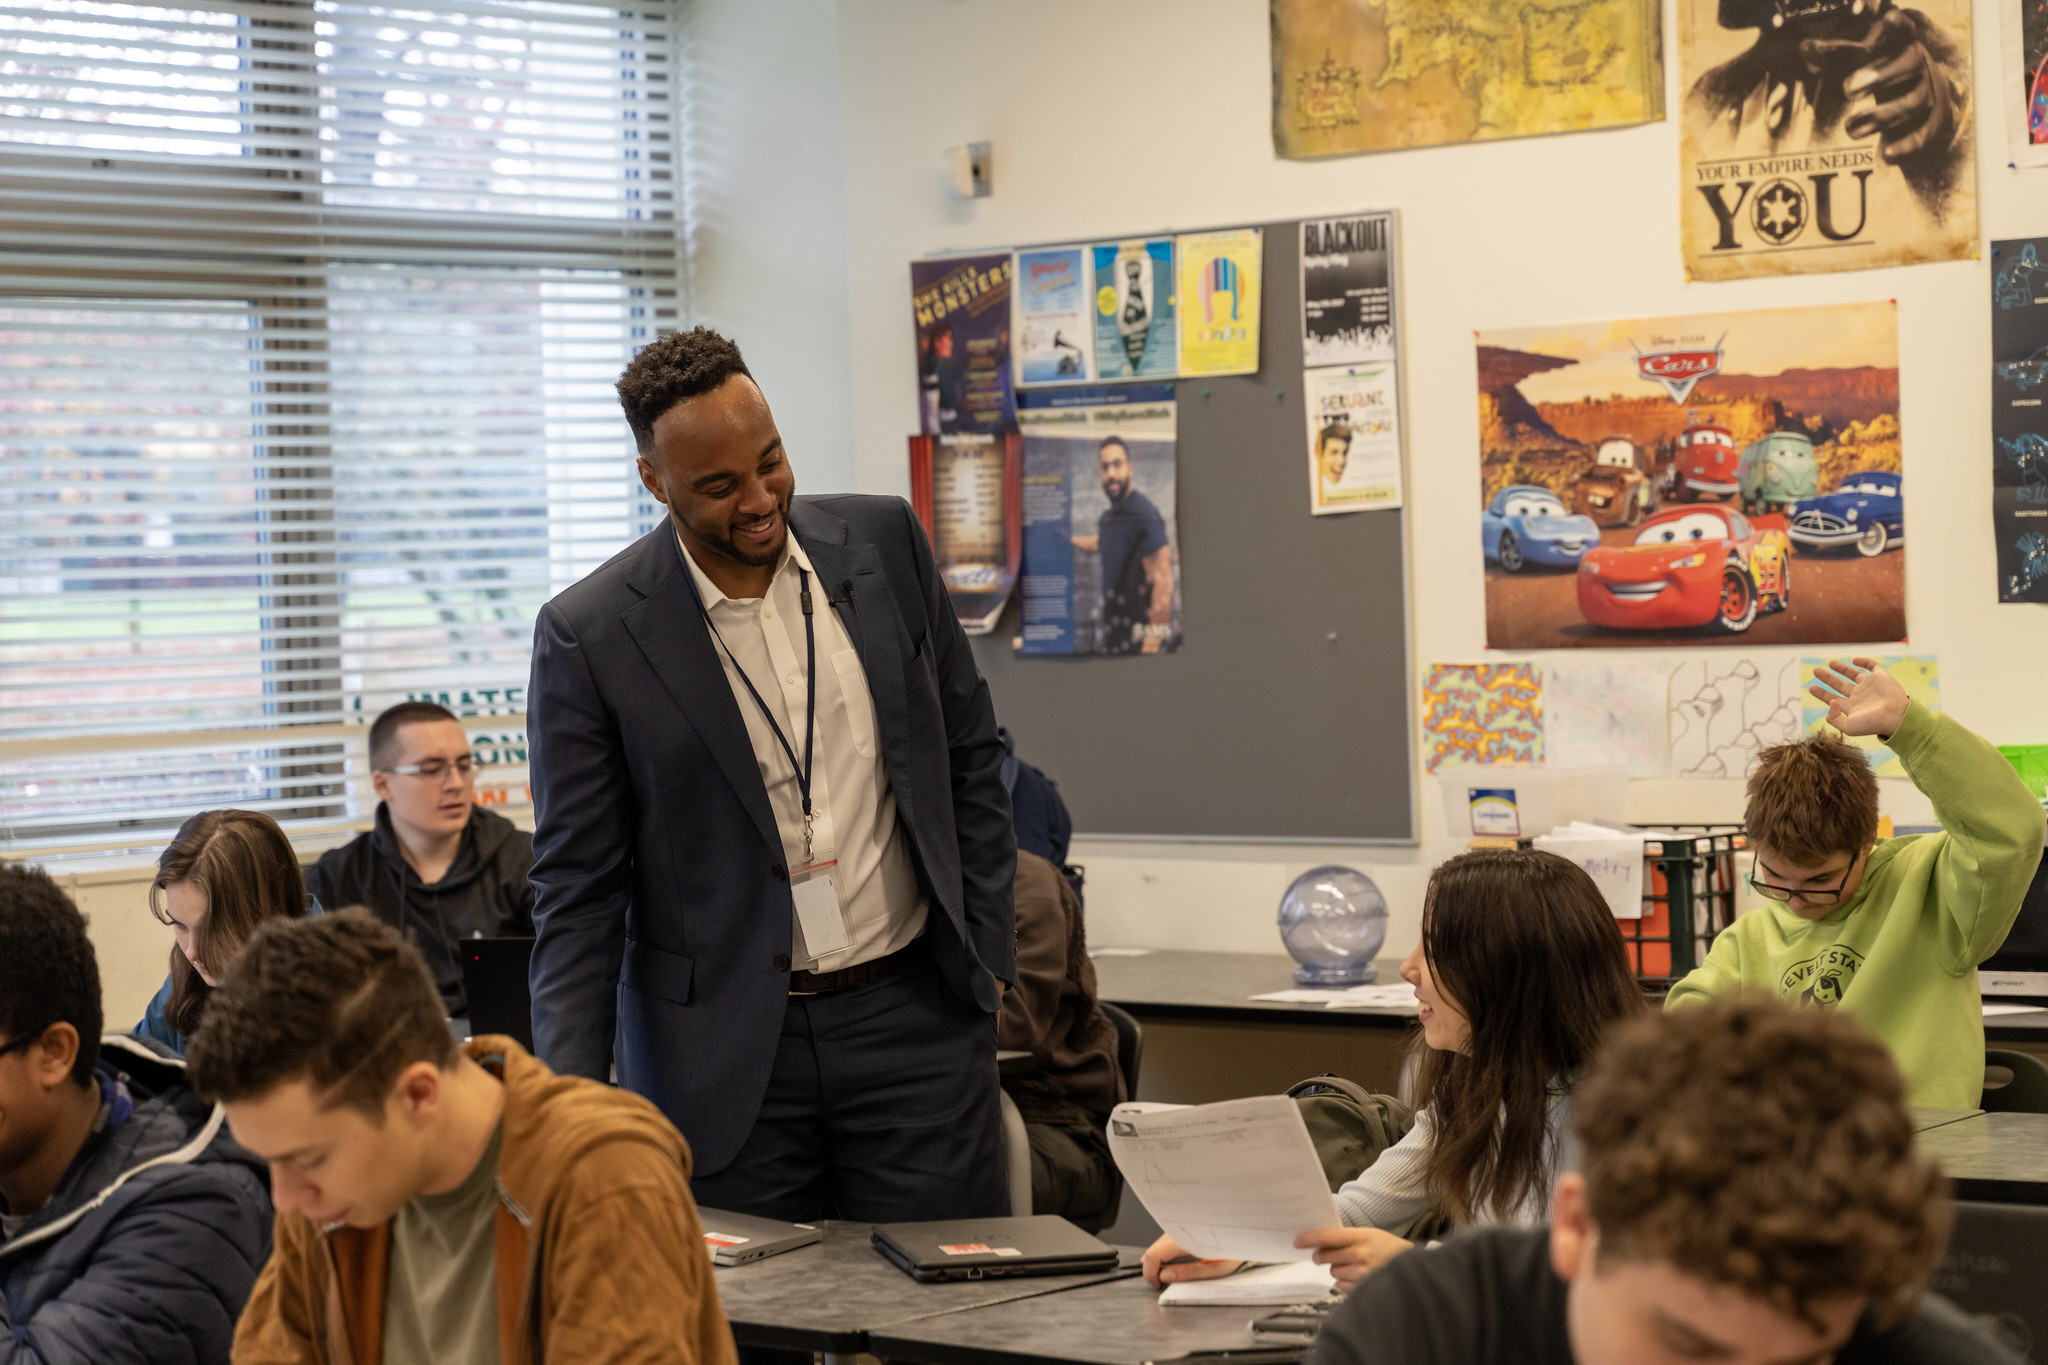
x: 309, y: 317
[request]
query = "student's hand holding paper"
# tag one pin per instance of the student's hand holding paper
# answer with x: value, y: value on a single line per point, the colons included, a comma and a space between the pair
x: 1352, y: 1253
x: 1161, y: 1270
x: 1862, y: 698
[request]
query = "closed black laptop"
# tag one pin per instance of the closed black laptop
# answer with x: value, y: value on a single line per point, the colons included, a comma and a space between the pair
x: 494, y: 979
x: 992, y: 1248
x: 736, y: 1238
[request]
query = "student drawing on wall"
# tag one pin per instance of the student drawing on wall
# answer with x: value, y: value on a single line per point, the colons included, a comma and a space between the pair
x: 1873, y: 69
x: 1136, y: 560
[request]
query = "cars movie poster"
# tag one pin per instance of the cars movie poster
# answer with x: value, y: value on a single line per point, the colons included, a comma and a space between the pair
x: 1731, y: 478
x: 1825, y: 135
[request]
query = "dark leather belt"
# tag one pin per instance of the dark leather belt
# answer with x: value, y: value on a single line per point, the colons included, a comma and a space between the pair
x: 859, y: 974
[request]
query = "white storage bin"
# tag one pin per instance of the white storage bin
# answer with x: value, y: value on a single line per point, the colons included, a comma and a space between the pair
x: 1521, y: 800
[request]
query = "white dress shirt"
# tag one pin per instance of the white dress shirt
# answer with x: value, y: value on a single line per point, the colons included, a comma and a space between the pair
x: 853, y: 810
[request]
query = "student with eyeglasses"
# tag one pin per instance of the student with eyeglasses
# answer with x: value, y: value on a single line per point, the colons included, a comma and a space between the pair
x: 436, y: 866
x: 222, y: 875
x: 1892, y: 931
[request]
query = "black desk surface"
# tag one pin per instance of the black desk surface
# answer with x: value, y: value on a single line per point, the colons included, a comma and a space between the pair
x: 1170, y: 983
x: 1119, y: 1323
x: 1173, y: 983
x: 831, y: 1295
x: 1999, y: 1158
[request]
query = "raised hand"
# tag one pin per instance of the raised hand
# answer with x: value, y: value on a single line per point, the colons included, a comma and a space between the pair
x: 1862, y: 698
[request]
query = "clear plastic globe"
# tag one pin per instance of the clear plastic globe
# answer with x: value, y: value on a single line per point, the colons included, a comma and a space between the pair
x: 1334, y: 921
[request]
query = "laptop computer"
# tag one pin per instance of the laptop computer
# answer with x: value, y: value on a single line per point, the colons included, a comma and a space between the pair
x: 991, y: 1248
x: 736, y: 1238
x: 1994, y: 1272
x: 494, y: 979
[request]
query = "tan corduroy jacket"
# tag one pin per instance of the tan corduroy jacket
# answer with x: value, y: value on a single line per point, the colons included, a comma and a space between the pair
x: 600, y: 1254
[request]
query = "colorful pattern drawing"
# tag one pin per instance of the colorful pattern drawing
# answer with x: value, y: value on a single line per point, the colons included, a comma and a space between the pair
x: 1482, y: 713
x: 1220, y: 278
x: 1919, y: 674
x: 1724, y: 712
x: 1215, y: 339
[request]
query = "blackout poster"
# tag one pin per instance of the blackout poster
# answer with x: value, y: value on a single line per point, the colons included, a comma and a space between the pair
x: 1347, y: 289
x: 2019, y: 426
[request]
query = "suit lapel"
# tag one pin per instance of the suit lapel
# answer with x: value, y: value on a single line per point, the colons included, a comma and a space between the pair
x: 668, y: 625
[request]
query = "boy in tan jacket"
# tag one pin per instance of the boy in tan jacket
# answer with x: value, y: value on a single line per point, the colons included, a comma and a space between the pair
x: 438, y: 1203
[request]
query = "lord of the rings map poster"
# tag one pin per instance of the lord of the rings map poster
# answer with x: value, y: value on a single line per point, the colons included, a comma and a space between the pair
x: 1369, y: 75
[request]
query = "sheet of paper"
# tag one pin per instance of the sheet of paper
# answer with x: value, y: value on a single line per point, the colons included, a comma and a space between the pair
x: 1613, y: 711
x: 1995, y: 1009
x: 1612, y: 858
x: 1300, y: 1282
x: 1238, y: 1180
x: 1724, y: 712
x: 1397, y: 994
x: 1119, y: 952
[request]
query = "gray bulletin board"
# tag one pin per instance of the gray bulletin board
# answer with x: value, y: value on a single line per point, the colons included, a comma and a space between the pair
x: 1284, y: 714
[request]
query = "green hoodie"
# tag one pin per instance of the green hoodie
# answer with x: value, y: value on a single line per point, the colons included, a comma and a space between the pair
x: 1902, y: 954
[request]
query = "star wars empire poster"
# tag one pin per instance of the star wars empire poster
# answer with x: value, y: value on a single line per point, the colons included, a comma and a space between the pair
x: 1825, y: 135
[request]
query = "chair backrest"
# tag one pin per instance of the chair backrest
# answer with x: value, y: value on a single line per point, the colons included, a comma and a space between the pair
x: 2027, y: 1090
x: 1130, y: 1046
x: 1994, y: 1271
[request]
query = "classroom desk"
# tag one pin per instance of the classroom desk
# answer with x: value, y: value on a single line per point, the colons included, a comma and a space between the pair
x: 831, y: 1296
x: 1926, y: 1116
x: 1995, y: 1158
x: 1118, y: 1323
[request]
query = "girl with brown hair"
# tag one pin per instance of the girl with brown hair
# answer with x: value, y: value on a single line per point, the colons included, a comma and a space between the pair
x: 224, y: 873
x: 1520, y: 973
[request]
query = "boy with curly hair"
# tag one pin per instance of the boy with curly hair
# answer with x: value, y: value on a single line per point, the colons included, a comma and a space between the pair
x: 1891, y: 931
x: 1750, y: 1195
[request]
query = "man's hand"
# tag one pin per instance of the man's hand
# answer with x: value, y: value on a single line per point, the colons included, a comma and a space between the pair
x: 1160, y: 1270
x: 1912, y: 103
x: 1352, y: 1253
x: 1865, y: 699
x: 1087, y: 545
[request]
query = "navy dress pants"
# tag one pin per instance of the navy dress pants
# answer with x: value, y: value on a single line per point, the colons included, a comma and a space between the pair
x: 882, y: 1108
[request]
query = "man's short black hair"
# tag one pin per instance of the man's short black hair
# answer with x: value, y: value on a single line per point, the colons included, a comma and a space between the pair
x: 1106, y: 442
x: 681, y: 365
x: 48, y: 972
x: 384, y: 730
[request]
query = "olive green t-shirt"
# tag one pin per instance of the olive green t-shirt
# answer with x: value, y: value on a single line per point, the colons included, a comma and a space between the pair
x: 441, y: 1300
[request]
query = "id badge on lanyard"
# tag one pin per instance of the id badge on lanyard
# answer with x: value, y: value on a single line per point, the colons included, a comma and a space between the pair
x: 819, y: 917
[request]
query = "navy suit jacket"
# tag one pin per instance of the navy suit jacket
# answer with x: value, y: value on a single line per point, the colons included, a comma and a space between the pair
x: 661, y: 903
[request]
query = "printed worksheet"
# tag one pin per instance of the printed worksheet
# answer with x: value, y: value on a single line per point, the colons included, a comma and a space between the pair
x: 1234, y: 1181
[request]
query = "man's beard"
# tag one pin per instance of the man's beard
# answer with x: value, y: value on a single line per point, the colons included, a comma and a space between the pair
x: 753, y: 559
x: 1114, y: 490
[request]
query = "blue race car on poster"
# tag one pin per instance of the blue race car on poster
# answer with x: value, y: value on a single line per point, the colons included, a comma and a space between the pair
x: 1866, y: 511
x: 1525, y: 525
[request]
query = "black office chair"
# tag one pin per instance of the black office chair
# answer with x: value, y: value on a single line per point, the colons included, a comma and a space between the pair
x: 1130, y: 1046
x: 2015, y: 1083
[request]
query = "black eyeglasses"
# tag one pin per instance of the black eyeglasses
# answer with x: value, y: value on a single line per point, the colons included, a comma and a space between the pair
x: 17, y: 1043
x: 1816, y: 895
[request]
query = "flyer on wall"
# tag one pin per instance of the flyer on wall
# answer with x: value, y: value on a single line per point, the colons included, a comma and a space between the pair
x: 967, y: 490
x: 1347, y: 289
x: 1722, y: 479
x: 1825, y: 135
x: 1055, y: 321
x: 2023, y: 95
x: 961, y: 308
x: 2019, y: 426
x: 1101, y: 572
x: 1354, y: 438
x: 1220, y: 293
x: 1136, y: 336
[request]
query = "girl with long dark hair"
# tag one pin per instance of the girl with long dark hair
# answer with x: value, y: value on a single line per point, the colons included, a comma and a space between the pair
x: 1520, y: 974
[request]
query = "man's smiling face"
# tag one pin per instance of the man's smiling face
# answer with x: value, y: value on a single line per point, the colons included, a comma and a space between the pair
x: 717, y: 463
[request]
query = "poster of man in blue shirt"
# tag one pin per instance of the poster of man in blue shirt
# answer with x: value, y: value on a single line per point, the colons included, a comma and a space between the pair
x: 1136, y: 560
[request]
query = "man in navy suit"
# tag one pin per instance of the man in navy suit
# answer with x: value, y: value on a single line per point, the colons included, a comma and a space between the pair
x: 773, y: 854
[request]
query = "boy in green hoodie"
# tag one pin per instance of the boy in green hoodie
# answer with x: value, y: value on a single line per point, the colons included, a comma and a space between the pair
x: 1891, y: 931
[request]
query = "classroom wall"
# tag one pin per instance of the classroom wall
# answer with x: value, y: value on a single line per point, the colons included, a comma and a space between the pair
x: 1154, y: 114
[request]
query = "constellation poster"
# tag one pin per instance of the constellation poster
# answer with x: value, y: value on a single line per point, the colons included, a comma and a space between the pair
x: 2019, y: 423
x: 1482, y: 713
x: 1825, y: 135
x: 1220, y: 295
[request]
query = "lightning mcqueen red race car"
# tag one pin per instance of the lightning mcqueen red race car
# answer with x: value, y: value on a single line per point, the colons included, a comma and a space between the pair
x: 1689, y: 566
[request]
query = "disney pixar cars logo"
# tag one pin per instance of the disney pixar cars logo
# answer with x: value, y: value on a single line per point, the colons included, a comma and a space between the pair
x: 1678, y: 371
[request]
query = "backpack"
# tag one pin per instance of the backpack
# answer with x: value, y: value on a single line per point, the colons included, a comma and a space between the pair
x: 1040, y: 813
x: 1350, y: 1126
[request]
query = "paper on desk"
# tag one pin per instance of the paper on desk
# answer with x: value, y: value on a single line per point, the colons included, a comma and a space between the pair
x: 1992, y: 1009
x: 1394, y: 995
x: 1238, y: 1180
x: 1119, y: 952
x: 1300, y: 1282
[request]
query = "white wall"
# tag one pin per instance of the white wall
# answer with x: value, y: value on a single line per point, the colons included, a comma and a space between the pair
x: 1138, y: 115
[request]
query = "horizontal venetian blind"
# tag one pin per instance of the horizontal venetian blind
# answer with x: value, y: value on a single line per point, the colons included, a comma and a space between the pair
x: 309, y: 317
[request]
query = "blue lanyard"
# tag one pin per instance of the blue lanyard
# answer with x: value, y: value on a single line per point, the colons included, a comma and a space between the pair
x: 803, y: 771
